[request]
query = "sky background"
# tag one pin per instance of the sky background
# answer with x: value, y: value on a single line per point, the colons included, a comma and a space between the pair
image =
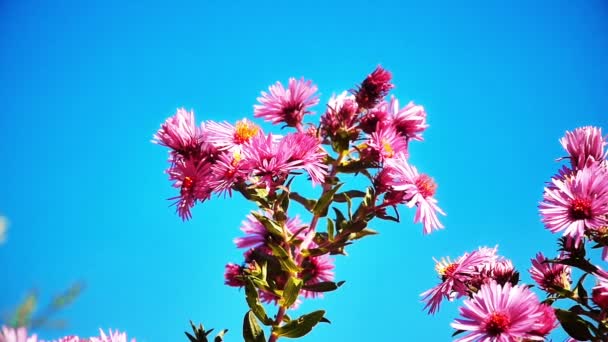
x: 85, y: 85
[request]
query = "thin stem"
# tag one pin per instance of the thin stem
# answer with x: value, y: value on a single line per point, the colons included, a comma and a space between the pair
x: 280, y: 314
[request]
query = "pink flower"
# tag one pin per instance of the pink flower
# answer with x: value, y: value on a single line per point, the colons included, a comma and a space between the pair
x: 500, y: 313
x: 305, y: 152
x: 385, y: 144
x: 374, y: 118
x: 577, y: 203
x: 287, y: 105
x: 180, y: 133
x: 550, y: 276
x: 455, y: 277
x: 418, y: 189
x: 257, y: 235
x: 316, y: 269
x: 231, y: 275
x: 546, y: 322
x: 192, y: 180
x: 340, y: 116
x: 409, y: 121
x: 9, y: 334
x: 225, y: 136
x: 375, y: 86
x: 113, y: 336
x: 584, y: 144
x: 599, y: 293
x: 227, y: 171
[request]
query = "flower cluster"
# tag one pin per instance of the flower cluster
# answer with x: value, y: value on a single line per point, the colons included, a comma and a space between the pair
x: 286, y: 258
x: 21, y: 335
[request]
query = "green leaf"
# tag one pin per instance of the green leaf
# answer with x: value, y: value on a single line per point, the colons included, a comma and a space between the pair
x: 320, y: 208
x: 580, y: 291
x: 365, y: 232
x: 574, y: 325
x: 251, y: 329
x: 291, y: 291
x: 286, y: 262
x: 271, y: 226
x: 301, y: 326
x: 254, y: 302
x: 340, y: 219
x: 347, y: 195
x: 330, y: 229
x: 324, y: 286
x: 307, y: 203
x: 220, y: 336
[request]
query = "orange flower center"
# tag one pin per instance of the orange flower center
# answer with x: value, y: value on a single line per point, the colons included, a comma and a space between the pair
x: 426, y: 186
x: 497, y: 323
x: 388, y: 150
x: 244, y: 131
x: 580, y: 209
x: 187, y: 184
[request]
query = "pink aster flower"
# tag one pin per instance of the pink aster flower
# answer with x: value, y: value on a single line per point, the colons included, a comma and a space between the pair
x: 584, y: 144
x: 257, y: 235
x: 225, y: 136
x: 375, y: 118
x: 180, y: 133
x: 340, y: 116
x: 500, y: 313
x: 409, y: 121
x: 373, y: 88
x: 192, y: 180
x: 455, y: 277
x: 287, y: 105
x: 8, y: 334
x: 418, y: 190
x: 113, y: 336
x: 231, y: 275
x: 385, y: 144
x: 546, y: 322
x: 227, y: 171
x: 305, y: 152
x: 550, y: 276
x: 599, y: 293
x: 577, y: 203
x: 316, y: 269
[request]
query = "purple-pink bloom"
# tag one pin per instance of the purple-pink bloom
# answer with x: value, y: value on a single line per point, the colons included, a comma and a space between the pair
x: 305, y: 152
x: 287, y: 105
x: 8, y: 334
x: 500, y: 313
x: 455, y: 277
x: 191, y: 178
x: 418, y: 190
x: 340, y: 116
x: 599, y: 293
x: 584, y: 144
x: 374, y: 118
x: 227, y: 171
x: 409, y: 121
x: 577, y: 203
x: 550, y: 276
x: 373, y: 88
x: 257, y: 234
x: 315, y: 270
x: 233, y: 271
x: 385, y: 144
x: 180, y: 133
x: 113, y: 336
x: 225, y: 136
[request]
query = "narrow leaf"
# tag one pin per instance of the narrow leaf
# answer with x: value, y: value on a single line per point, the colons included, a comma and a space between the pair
x: 321, y: 206
x: 254, y: 302
x: 301, y: 326
x: 574, y: 325
x: 307, y: 203
x: 291, y: 291
x: 286, y: 262
x: 325, y: 286
x: 251, y: 329
x: 271, y: 226
x: 220, y: 336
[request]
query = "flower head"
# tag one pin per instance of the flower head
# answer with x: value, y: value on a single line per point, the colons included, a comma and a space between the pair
x: 233, y: 271
x: 8, y: 334
x: 258, y: 235
x: 316, y: 269
x: 226, y: 172
x: 340, y: 116
x: 192, y: 180
x: 550, y: 276
x: 600, y: 292
x: 113, y: 336
x: 418, y: 190
x: 287, y: 105
x: 500, y: 313
x: 373, y: 88
x: 577, y: 203
x: 180, y: 133
x: 374, y: 118
x: 409, y: 121
x: 385, y: 144
x: 584, y: 144
x: 225, y: 136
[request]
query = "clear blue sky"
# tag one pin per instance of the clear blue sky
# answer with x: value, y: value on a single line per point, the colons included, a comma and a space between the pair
x: 85, y: 85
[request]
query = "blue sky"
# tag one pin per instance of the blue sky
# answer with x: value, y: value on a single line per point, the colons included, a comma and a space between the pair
x: 86, y: 84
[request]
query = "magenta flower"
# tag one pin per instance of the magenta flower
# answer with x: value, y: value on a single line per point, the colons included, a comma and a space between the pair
x: 375, y: 86
x: 550, y: 276
x: 500, y: 313
x: 8, y: 334
x: 374, y: 118
x: 180, y: 133
x: 305, y: 153
x: 113, y: 336
x: 316, y: 269
x: 455, y: 277
x: 257, y: 235
x: 340, y: 116
x: 577, y: 203
x: 600, y: 292
x: 192, y: 180
x: 227, y: 171
x: 287, y: 105
x: 584, y: 144
x: 225, y: 136
x: 385, y: 144
x: 233, y: 271
x: 418, y: 189
x: 409, y: 121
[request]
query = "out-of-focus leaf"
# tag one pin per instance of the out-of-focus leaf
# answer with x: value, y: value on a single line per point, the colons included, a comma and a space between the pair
x: 291, y: 291
x: 320, y: 208
x: 254, y: 302
x: 574, y: 325
x: 307, y: 203
x: 301, y: 326
x: 325, y: 286
x: 286, y: 262
x: 251, y: 329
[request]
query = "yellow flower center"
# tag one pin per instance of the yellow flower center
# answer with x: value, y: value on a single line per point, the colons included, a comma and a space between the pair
x: 245, y: 130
